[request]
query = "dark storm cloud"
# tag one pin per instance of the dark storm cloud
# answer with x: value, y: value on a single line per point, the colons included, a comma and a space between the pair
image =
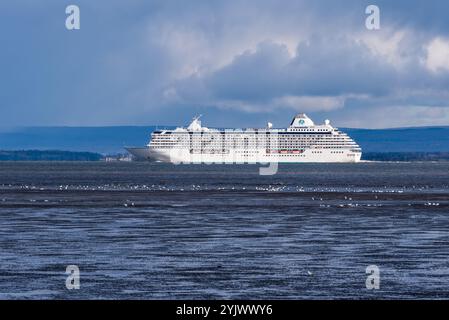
x: 317, y: 69
x: 320, y: 67
x: 141, y: 61
x: 320, y: 63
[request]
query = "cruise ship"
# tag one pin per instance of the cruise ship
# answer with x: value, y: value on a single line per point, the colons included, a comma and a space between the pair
x: 302, y: 141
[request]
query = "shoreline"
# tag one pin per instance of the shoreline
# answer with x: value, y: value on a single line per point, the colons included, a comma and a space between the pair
x: 83, y: 156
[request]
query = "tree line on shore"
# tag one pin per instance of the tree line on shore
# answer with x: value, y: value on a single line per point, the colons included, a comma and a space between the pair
x: 59, y: 155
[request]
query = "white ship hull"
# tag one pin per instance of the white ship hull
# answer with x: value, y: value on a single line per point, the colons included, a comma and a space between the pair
x: 237, y: 156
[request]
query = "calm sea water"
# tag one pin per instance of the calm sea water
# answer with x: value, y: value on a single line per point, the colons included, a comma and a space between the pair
x: 157, y: 231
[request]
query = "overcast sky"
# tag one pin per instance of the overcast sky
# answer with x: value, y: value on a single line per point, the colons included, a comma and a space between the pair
x: 239, y: 63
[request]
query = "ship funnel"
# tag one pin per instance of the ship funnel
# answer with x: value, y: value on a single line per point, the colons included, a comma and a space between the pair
x: 301, y: 120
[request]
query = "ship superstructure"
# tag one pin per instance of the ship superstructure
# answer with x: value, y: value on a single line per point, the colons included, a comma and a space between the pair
x: 302, y: 141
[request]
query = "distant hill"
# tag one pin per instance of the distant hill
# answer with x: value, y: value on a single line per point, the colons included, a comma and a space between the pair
x: 111, y: 140
x: 105, y: 140
x: 419, y: 139
x: 48, y: 155
x: 406, y: 156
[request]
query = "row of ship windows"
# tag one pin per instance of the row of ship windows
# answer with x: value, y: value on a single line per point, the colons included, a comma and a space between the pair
x: 256, y: 153
x: 254, y: 137
x: 252, y: 141
x: 257, y: 144
x: 246, y: 152
x: 322, y: 146
x: 310, y: 130
x: 286, y: 155
x: 287, y: 149
x: 297, y: 155
x: 249, y: 144
x: 212, y: 136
